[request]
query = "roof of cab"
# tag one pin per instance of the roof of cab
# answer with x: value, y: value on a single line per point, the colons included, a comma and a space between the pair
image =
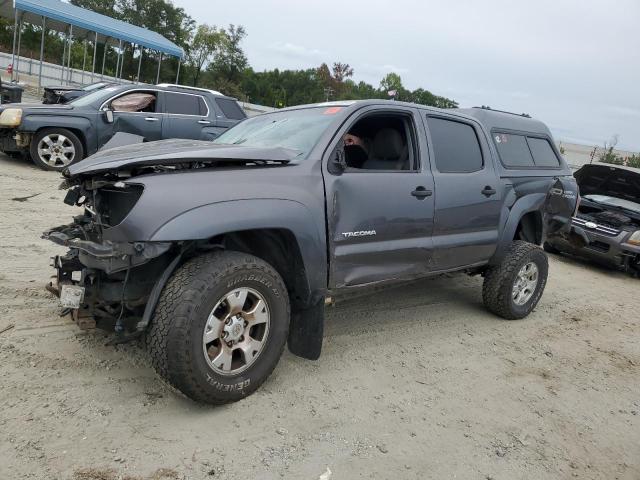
x: 489, y: 119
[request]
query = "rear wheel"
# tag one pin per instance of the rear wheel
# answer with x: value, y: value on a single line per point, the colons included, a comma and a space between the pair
x: 513, y: 288
x: 220, y: 326
x: 55, y: 148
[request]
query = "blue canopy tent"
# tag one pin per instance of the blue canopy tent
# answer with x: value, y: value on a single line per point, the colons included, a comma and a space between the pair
x: 83, y: 23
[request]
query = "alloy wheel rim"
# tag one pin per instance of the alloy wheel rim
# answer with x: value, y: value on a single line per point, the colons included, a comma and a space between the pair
x: 236, y: 331
x: 525, y: 283
x: 56, y: 150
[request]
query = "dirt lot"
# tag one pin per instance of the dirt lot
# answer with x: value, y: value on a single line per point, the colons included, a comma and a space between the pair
x: 416, y: 382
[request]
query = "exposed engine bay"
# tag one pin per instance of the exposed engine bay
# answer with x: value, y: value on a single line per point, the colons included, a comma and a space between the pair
x: 610, y: 216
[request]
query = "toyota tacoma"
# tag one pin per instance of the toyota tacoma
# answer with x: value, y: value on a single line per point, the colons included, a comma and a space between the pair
x: 218, y: 254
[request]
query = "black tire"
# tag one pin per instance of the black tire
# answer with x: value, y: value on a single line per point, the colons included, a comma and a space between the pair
x: 175, y: 336
x: 499, y: 281
x: 48, y: 163
x: 550, y: 248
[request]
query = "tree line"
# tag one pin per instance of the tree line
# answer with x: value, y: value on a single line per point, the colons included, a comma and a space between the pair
x: 213, y: 59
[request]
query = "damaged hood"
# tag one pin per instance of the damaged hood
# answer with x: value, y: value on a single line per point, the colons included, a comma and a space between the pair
x: 174, y: 152
x: 611, y: 180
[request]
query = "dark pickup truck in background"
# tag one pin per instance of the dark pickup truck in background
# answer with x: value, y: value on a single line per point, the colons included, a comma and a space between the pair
x: 56, y: 136
x: 218, y: 253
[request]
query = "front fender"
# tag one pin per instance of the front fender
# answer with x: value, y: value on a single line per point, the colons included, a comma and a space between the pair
x: 236, y: 215
x: 35, y: 122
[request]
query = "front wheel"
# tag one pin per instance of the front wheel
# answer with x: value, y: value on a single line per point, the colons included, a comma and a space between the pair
x: 55, y: 148
x: 513, y: 288
x: 220, y: 326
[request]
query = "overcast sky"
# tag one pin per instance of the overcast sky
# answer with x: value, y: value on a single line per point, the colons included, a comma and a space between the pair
x: 575, y: 64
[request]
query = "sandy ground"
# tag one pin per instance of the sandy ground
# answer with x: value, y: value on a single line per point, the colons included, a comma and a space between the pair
x: 416, y: 382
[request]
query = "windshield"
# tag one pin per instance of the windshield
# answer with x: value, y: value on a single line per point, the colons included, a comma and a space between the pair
x: 614, y: 202
x: 94, y: 96
x: 298, y: 130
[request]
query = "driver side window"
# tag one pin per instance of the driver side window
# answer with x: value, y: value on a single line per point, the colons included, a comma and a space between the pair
x: 381, y: 142
x: 142, y: 102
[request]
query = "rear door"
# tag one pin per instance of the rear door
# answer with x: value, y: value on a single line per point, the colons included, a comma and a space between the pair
x: 468, y: 197
x: 186, y: 115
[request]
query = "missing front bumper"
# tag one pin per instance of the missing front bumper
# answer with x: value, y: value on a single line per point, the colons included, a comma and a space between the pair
x: 70, y: 273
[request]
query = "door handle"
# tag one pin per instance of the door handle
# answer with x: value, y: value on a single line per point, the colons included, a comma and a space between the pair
x: 421, y: 193
x: 204, y: 122
x: 152, y: 119
x: 488, y: 191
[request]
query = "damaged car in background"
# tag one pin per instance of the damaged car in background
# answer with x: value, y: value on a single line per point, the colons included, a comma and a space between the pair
x: 218, y: 254
x: 608, y: 217
x: 56, y: 136
x: 65, y: 93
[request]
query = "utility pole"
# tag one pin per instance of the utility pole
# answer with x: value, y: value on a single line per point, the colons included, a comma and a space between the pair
x: 328, y: 92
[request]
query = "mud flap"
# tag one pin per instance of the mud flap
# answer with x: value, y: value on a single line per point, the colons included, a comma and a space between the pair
x: 306, y: 330
x: 560, y: 206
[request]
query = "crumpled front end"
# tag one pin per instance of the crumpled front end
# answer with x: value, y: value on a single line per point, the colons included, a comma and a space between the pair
x: 103, y: 283
x: 117, y: 262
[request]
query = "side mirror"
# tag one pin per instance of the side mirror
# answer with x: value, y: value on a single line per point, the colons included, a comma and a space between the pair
x: 338, y: 163
x: 108, y: 115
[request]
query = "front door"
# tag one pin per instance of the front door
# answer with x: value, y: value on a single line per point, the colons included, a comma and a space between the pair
x: 186, y: 115
x: 138, y: 112
x: 380, y: 207
x: 469, y: 199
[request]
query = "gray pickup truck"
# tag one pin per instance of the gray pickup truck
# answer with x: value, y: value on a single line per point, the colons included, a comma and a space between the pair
x: 56, y: 136
x: 219, y: 253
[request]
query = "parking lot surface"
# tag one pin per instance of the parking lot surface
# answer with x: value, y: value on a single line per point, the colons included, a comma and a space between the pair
x: 417, y: 381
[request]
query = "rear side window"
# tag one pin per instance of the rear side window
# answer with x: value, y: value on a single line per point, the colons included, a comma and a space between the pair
x: 520, y: 151
x: 513, y: 150
x: 230, y: 108
x: 455, y: 146
x: 543, y: 154
x: 183, y: 104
